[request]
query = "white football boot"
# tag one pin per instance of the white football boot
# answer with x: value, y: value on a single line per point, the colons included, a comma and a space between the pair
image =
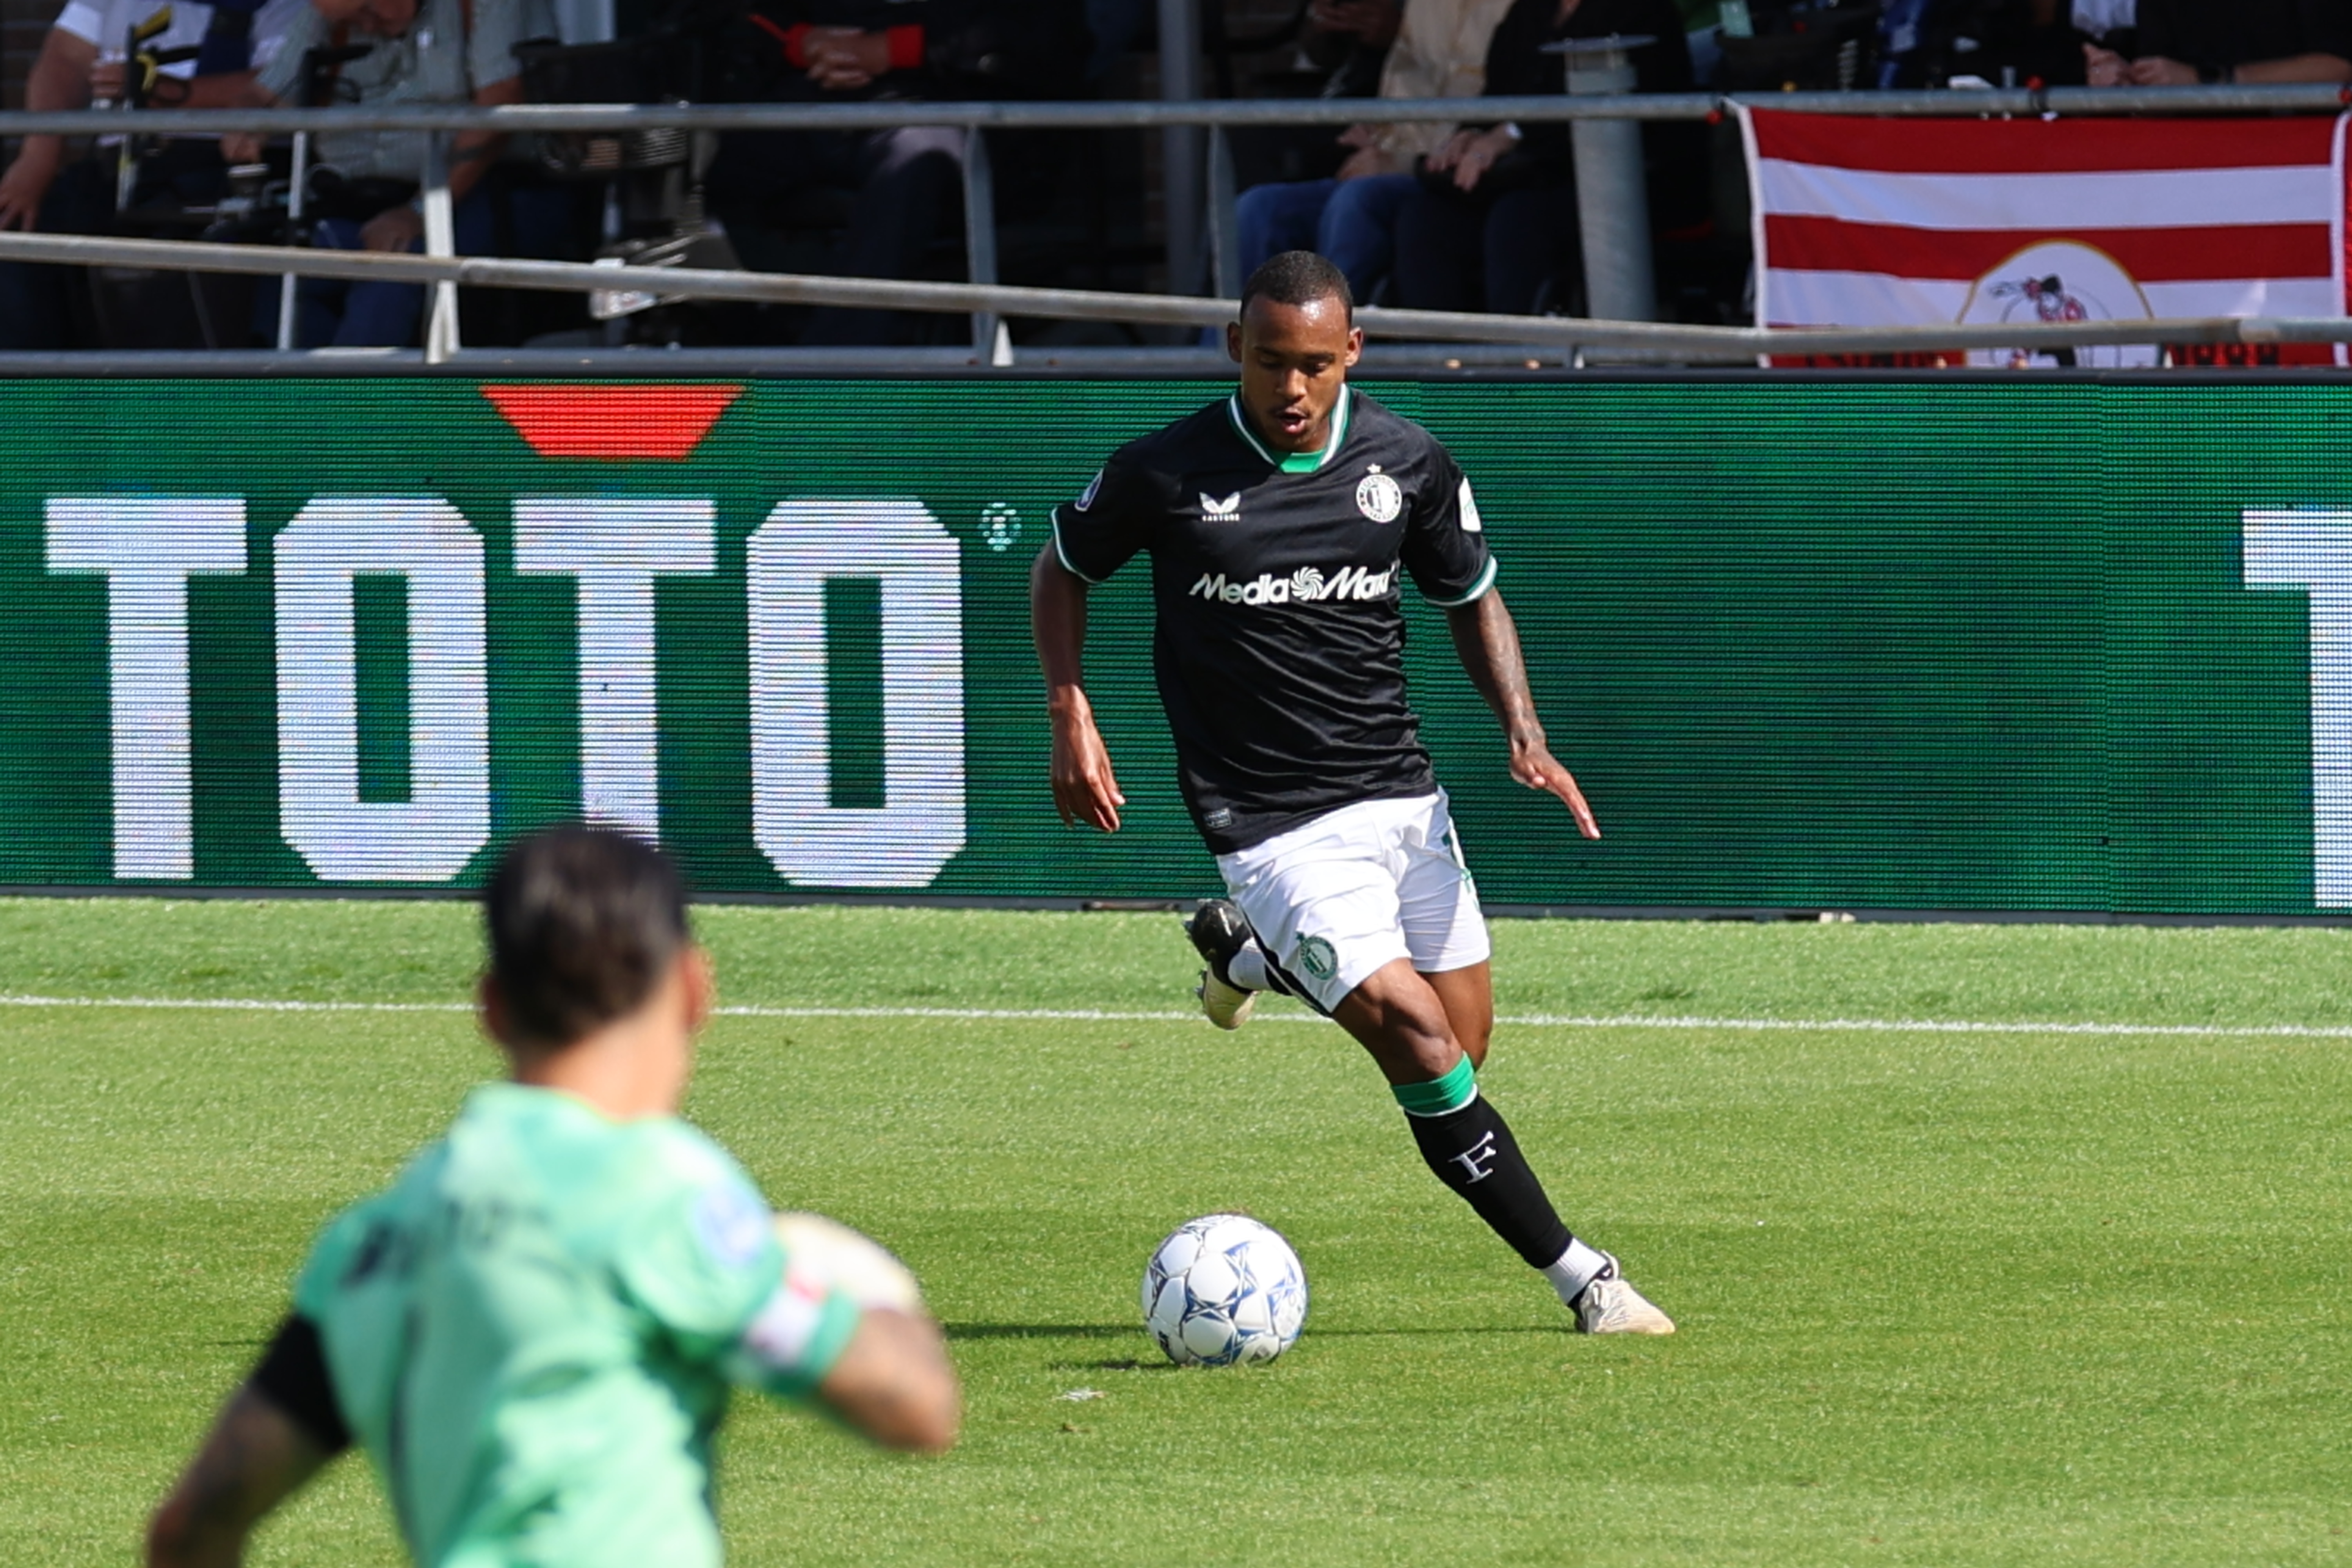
x: 1219, y: 931
x: 1611, y: 1306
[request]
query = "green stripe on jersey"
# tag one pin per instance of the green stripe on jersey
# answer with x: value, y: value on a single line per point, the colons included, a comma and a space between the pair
x: 1477, y: 590
x: 1294, y: 462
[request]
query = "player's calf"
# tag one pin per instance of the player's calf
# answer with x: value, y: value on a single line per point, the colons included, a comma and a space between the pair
x: 1467, y: 994
x: 1464, y: 1139
x: 1398, y: 1016
x: 1467, y: 1142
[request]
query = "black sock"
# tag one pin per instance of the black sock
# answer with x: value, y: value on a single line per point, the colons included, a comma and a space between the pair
x: 1473, y: 1152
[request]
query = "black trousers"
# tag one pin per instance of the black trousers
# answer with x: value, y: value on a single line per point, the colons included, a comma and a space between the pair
x: 1462, y: 252
x: 904, y: 190
x: 47, y: 310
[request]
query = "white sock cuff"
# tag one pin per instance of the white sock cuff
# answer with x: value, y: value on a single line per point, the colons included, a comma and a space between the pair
x: 1577, y: 1267
x: 1246, y: 968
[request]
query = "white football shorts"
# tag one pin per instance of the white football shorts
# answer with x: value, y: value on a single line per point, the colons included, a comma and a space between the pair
x: 1337, y: 897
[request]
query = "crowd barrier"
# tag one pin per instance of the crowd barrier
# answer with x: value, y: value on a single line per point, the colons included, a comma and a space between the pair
x: 1562, y: 337
x: 2061, y: 646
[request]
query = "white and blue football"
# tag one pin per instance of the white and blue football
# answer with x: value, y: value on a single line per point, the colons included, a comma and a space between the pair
x: 1223, y: 1290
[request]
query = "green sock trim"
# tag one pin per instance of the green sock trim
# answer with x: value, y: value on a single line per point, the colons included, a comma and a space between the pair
x: 1435, y: 1098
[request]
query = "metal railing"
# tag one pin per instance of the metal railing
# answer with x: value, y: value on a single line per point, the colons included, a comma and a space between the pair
x: 2291, y: 98
x: 1567, y: 335
x: 987, y: 302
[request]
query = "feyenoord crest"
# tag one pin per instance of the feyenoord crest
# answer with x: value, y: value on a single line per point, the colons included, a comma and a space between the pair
x: 1379, y: 498
x: 1315, y: 955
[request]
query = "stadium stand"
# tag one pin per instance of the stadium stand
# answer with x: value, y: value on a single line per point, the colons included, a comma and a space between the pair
x: 1437, y: 50
x: 2110, y: 43
x: 1077, y: 210
x: 880, y: 202
x: 400, y: 52
x: 2180, y: 42
x: 1489, y: 223
x: 125, y: 51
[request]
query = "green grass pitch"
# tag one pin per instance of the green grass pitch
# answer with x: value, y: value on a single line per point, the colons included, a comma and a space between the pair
x: 2003, y: 1296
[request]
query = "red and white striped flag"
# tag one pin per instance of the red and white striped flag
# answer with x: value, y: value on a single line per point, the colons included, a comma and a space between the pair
x: 1863, y: 222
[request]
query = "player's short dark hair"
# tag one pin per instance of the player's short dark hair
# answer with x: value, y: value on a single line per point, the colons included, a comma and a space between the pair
x: 1299, y: 278
x: 583, y: 922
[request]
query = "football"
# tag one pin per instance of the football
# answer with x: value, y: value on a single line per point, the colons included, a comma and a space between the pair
x: 1223, y: 1289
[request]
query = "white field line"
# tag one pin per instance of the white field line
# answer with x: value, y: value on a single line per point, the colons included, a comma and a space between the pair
x: 1093, y: 1015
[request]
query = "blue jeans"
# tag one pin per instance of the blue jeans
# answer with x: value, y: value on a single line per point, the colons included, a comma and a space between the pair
x: 1457, y: 252
x: 1349, y: 223
x: 331, y: 312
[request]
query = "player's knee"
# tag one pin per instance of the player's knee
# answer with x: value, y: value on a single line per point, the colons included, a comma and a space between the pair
x: 1400, y: 1020
x: 1473, y: 1032
x: 1421, y: 1050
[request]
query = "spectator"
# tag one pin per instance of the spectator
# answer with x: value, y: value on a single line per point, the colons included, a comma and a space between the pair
x: 2115, y: 23
x: 46, y: 309
x: 423, y: 52
x: 1355, y: 36
x: 2003, y: 42
x: 1115, y: 25
x: 1348, y: 41
x: 1439, y: 51
x: 894, y: 192
x: 2183, y: 42
x: 1492, y: 221
x: 2026, y: 41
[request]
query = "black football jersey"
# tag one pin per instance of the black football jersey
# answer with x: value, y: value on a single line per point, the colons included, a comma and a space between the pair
x: 1280, y: 639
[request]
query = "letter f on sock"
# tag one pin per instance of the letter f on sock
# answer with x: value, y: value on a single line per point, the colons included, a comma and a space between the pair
x: 1484, y: 1150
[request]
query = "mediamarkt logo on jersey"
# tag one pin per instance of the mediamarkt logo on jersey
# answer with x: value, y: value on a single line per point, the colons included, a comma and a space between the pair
x: 1307, y: 585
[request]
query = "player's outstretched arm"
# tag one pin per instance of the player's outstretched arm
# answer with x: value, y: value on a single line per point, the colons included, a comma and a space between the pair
x: 895, y: 1384
x: 1488, y: 642
x: 1085, y: 788
x: 254, y: 1459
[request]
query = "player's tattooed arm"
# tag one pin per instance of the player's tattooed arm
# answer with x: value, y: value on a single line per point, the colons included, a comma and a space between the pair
x: 1488, y: 640
x: 1085, y: 788
x: 254, y: 1459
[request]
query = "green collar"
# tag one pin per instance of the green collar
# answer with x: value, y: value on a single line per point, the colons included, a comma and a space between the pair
x: 1294, y: 462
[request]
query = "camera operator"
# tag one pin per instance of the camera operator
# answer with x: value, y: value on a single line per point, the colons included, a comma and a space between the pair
x: 901, y: 187
x: 82, y: 62
x: 366, y: 192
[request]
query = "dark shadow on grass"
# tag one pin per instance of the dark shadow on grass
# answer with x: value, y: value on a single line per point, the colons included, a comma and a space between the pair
x: 1314, y: 1332
x: 1040, y: 1330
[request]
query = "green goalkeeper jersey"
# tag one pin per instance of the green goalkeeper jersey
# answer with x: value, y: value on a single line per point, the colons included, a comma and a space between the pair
x: 534, y: 1330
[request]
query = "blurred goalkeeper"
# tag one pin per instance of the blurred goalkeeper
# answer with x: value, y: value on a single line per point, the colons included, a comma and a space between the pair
x: 1278, y: 521
x: 534, y: 1330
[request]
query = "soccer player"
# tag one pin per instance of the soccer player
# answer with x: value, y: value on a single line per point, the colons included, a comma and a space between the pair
x: 1276, y: 520
x: 533, y: 1330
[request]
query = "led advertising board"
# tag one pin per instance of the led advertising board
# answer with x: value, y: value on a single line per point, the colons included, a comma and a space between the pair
x: 2037, y: 646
